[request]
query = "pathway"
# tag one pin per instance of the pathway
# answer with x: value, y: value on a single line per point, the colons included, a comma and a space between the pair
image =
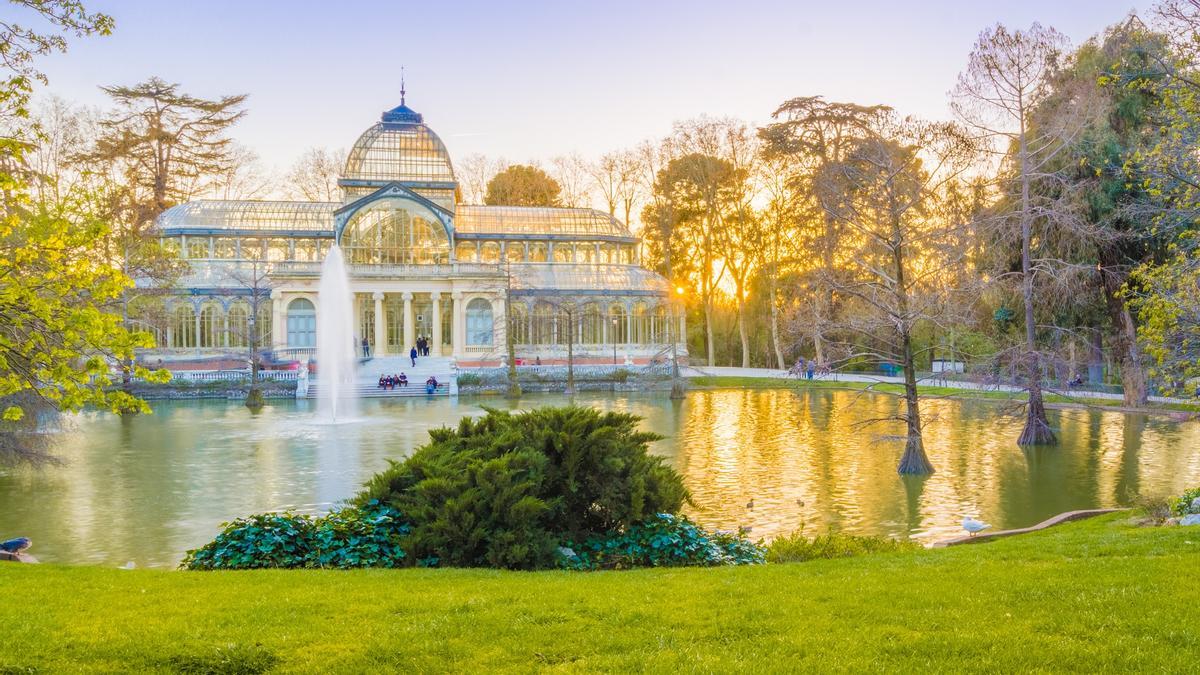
x: 929, y: 381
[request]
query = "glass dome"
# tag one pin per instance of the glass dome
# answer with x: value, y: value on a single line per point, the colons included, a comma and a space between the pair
x: 398, y: 148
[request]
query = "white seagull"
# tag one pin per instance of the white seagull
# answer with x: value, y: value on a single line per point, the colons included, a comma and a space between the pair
x: 974, y: 526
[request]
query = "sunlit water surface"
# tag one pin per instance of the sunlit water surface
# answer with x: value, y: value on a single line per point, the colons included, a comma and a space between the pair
x: 146, y: 489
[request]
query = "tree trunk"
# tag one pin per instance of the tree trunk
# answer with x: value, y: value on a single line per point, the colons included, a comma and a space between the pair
x: 1037, y: 428
x: 1124, y: 333
x: 708, y: 332
x: 914, y: 460
x: 775, y: 325
x: 743, y: 332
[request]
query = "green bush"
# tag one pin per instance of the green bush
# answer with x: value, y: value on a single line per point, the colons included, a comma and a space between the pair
x: 469, y: 380
x: 662, y: 541
x: 1183, y: 506
x: 368, y: 536
x: 258, y: 541
x: 505, y: 490
x: 798, y: 548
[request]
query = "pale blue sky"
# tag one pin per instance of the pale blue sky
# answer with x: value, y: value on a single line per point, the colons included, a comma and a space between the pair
x: 535, y: 79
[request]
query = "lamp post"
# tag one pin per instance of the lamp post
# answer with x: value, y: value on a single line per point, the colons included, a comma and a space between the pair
x: 677, y: 389
x: 614, y: 334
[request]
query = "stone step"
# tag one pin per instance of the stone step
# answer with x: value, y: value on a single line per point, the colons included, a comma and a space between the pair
x: 443, y: 389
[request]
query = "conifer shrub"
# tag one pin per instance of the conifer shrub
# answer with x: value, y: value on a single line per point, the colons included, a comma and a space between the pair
x: 506, y: 490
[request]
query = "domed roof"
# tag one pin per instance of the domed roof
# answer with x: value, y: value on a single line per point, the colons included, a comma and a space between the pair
x: 398, y: 148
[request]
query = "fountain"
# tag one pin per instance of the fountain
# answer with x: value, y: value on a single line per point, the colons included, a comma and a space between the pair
x: 337, y: 397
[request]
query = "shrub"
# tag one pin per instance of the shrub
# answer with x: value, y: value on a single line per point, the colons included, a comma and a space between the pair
x: 469, y: 379
x: 662, y: 541
x: 258, y: 541
x: 1183, y: 506
x: 798, y: 548
x: 369, y: 536
x: 505, y: 490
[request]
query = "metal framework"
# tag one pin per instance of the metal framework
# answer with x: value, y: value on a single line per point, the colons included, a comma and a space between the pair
x: 535, y: 221
x: 249, y: 216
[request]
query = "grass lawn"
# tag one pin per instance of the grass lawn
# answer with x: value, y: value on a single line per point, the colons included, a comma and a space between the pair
x: 723, y: 381
x: 1098, y: 595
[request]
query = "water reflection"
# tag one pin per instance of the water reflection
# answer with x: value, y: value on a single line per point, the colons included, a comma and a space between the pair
x: 147, y: 489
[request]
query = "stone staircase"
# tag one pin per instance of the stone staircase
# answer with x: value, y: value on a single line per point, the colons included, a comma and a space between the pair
x: 369, y: 372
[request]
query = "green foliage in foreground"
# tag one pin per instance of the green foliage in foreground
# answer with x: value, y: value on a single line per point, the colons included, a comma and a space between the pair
x: 662, y: 541
x: 798, y: 548
x: 506, y: 490
x: 1093, y: 596
x: 352, y: 537
x: 1183, y: 505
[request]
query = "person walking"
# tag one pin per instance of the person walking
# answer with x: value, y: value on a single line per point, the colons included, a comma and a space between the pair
x: 812, y: 367
x: 366, y: 347
x: 412, y: 354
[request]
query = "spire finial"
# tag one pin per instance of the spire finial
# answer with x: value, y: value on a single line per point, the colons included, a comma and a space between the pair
x: 401, y: 85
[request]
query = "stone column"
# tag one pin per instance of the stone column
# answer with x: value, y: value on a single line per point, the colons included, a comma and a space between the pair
x: 380, y: 325
x: 456, y: 327
x: 410, y: 338
x: 500, y: 318
x: 278, y: 321
x: 199, y: 309
x: 629, y: 339
x: 435, y: 349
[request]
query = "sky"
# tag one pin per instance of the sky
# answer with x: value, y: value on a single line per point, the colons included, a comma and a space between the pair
x: 532, y: 80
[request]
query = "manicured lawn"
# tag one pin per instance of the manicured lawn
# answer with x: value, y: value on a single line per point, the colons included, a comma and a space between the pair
x: 1098, y: 595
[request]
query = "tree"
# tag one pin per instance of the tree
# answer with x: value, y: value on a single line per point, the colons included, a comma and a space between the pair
x: 522, y: 185
x: 314, y: 176
x: 474, y: 172
x: 1007, y: 76
x: 898, y: 243
x: 254, y: 277
x: 571, y: 172
x: 810, y: 133
x: 171, y: 143
x: 58, y: 335
x: 780, y: 221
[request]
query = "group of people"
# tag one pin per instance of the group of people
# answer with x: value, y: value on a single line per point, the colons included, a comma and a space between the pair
x: 420, y: 349
x: 806, y: 368
x: 422, y: 345
x: 393, y: 381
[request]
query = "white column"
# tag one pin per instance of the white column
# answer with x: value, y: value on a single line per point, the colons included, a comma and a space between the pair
x: 410, y: 338
x: 681, y: 338
x: 456, y: 323
x: 499, y: 319
x: 380, y: 325
x: 628, y: 334
x: 435, y: 349
x: 278, y: 321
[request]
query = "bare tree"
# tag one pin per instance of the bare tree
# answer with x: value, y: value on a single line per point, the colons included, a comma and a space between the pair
x: 1007, y: 76
x: 254, y: 278
x: 314, y: 176
x: 243, y: 177
x: 474, y: 172
x: 899, y: 246
x: 809, y: 133
x: 572, y: 174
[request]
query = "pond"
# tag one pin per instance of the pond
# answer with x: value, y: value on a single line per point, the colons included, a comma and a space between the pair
x: 146, y: 489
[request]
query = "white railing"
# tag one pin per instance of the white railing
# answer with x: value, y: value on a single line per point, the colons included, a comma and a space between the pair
x: 231, y: 375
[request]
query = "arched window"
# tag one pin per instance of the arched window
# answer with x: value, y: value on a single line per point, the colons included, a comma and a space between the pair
x: 564, y: 252
x: 544, y: 320
x: 479, y: 322
x: 519, y: 330
x: 465, y: 251
x: 537, y: 251
x: 514, y: 251
x: 489, y: 252
x: 212, y: 326
x: 618, y: 329
x: 641, y: 324
x: 592, y: 324
x: 301, y: 324
x: 263, y: 325
x: 660, y: 332
x: 395, y: 231
x: 183, y: 327
x: 239, y: 325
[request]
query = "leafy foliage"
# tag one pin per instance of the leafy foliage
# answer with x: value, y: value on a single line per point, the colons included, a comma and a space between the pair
x: 506, y: 489
x: 662, y: 541
x: 351, y: 537
x: 796, y: 547
x: 1183, y: 506
x: 522, y: 185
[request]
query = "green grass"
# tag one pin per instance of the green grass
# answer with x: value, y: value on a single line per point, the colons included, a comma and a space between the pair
x: 742, y: 382
x: 1098, y: 595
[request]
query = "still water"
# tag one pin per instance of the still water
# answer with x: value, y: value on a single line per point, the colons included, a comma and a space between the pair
x: 146, y: 489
